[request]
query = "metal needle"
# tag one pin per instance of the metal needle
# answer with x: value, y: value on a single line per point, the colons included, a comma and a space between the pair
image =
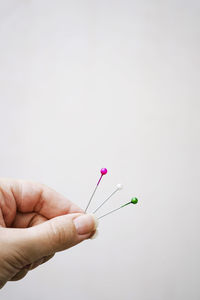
x: 118, y: 188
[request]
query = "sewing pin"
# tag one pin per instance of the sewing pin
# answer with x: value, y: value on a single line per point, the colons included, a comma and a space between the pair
x: 133, y: 201
x: 103, y: 172
x: 119, y: 187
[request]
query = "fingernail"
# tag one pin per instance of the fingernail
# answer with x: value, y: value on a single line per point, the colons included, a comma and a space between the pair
x: 95, y: 235
x: 96, y: 221
x: 85, y: 224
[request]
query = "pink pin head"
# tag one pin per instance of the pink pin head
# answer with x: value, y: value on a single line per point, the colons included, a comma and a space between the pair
x: 104, y: 171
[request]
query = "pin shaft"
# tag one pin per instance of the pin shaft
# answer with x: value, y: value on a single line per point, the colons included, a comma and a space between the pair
x: 110, y: 212
x: 105, y: 201
x: 91, y: 197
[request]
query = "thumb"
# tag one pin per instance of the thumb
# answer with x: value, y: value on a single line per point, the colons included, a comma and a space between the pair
x: 57, y: 234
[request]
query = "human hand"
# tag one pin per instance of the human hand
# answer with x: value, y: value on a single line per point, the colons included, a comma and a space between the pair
x: 35, y: 223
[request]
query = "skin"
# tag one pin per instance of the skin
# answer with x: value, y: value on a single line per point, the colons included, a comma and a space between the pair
x: 35, y: 223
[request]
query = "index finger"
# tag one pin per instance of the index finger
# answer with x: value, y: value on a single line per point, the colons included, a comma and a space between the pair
x: 36, y: 197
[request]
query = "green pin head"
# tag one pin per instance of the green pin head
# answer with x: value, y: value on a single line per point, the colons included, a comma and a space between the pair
x: 134, y: 200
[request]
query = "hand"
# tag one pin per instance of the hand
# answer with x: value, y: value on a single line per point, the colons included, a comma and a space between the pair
x: 36, y: 222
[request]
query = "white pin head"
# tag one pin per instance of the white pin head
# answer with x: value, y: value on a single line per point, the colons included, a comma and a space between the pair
x: 119, y: 186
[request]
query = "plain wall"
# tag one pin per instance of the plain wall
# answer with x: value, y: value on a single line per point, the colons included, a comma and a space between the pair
x: 116, y: 84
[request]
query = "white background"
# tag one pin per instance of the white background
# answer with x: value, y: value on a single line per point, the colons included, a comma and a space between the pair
x: 91, y: 84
